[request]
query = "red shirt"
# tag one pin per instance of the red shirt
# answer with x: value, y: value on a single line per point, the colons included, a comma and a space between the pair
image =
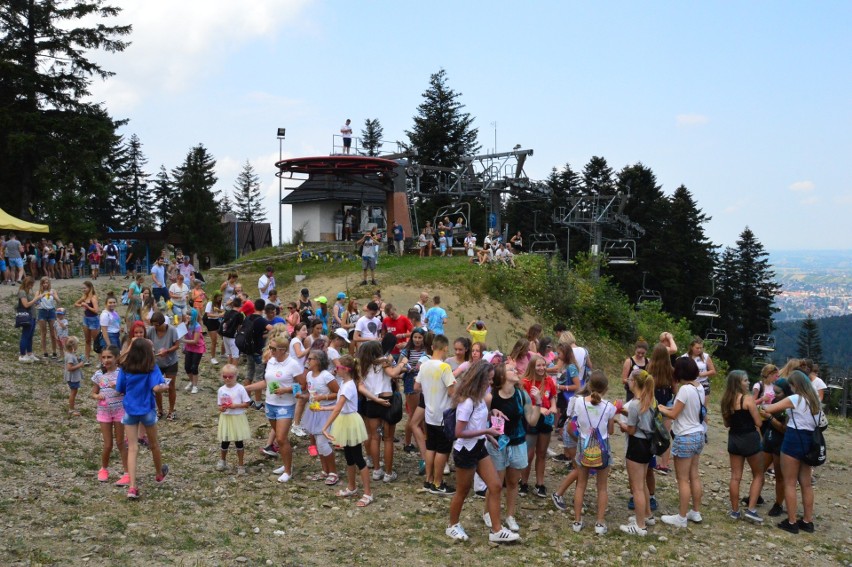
x: 400, y: 325
x: 547, y: 389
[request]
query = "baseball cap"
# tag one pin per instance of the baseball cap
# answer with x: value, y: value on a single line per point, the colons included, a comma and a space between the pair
x: 342, y: 334
x: 321, y: 299
x: 60, y: 311
x: 305, y: 291
x: 341, y: 295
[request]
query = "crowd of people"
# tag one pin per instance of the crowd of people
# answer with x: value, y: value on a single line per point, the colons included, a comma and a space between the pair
x: 345, y: 377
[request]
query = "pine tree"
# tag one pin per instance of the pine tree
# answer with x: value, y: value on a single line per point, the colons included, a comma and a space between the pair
x: 164, y: 197
x: 197, y: 216
x: 598, y: 177
x: 809, y: 344
x: 442, y: 132
x: 46, y: 126
x: 142, y: 210
x: 247, y: 197
x: 371, y: 136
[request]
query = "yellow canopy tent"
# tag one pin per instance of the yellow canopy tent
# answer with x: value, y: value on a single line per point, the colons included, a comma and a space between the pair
x: 8, y: 222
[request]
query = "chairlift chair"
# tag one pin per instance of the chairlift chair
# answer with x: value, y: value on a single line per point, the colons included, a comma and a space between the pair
x: 759, y: 359
x: 543, y: 243
x: 706, y: 306
x: 646, y: 295
x: 763, y: 343
x: 716, y: 336
x: 620, y: 252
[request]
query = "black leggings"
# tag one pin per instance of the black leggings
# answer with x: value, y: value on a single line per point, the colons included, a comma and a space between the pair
x: 354, y: 456
x: 226, y: 444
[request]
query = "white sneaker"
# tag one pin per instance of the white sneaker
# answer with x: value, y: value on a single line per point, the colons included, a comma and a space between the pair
x: 675, y: 520
x: 601, y: 529
x: 25, y: 359
x: 633, y: 529
x: 241, y: 471
x: 284, y: 478
x: 577, y: 526
x: 456, y: 532
x: 512, y: 524
x: 486, y: 518
x: 649, y: 521
x: 503, y: 536
x: 194, y: 390
x: 279, y: 470
x: 378, y: 474
x: 33, y: 358
x: 188, y: 387
x: 694, y: 516
x: 390, y: 477
x: 369, y: 461
x: 298, y: 431
x: 221, y: 465
x: 214, y: 361
x: 447, y: 468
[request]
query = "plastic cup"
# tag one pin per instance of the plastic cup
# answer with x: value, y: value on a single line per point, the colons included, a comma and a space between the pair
x: 498, y: 423
x: 297, y: 389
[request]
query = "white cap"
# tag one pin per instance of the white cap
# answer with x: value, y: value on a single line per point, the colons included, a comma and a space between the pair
x: 342, y: 334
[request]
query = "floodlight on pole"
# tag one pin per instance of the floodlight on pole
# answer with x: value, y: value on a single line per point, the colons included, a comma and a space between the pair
x: 281, y: 133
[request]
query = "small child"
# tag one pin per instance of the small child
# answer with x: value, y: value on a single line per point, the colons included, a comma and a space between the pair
x: 345, y: 427
x: 73, y: 372
x: 193, y: 349
x: 139, y: 379
x: 110, y: 413
x: 233, y: 400
x: 60, y: 327
x: 442, y: 243
x: 421, y: 242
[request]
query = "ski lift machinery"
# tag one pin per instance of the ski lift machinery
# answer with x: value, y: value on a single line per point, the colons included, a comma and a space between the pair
x: 708, y: 305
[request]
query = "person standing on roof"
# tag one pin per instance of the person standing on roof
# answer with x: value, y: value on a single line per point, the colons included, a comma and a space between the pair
x: 346, y: 132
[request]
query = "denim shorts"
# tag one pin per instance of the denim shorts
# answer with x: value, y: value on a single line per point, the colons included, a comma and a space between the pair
x: 74, y: 385
x: 280, y: 412
x: 686, y: 446
x: 16, y: 262
x: 368, y: 262
x: 511, y: 456
x: 147, y: 420
x: 46, y: 314
x: 2, y: 265
x: 92, y: 323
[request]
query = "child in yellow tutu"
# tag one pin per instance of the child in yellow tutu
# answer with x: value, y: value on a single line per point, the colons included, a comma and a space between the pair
x: 347, y: 430
x: 233, y: 400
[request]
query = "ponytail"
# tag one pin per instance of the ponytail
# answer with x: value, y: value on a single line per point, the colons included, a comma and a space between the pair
x: 598, y: 385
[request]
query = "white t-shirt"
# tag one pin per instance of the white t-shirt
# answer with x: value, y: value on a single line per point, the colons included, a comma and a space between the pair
x: 180, y: 291
x: 435, y: 377
x: 476, y: 418
x: 264, y: 295
x: 377, y: 381
x: 284, y: 374
x: 235, y: 395
x: 590, y: 416
x: 580, y: 356
x: 800, y: 416
x: 349, y: 391
x: 818, y: 384
x: 292, y: 353
x: 688, y: 420
x: 368, y: 327
x: 111, y: 320
x: 319, y: 384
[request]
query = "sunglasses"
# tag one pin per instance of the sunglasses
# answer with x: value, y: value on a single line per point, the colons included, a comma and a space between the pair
x: 278, y: 348
x: 229, y: 375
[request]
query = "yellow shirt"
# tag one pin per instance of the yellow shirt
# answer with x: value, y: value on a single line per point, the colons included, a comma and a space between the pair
x: 478, y: 336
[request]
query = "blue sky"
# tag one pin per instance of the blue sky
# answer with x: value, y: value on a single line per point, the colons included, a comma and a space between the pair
x: 747, y: 103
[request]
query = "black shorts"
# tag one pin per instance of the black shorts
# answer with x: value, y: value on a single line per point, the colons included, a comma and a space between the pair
x: 170, y: 370
x: 191, y: 361
x: 540, y: 427
x: 211, y: 324
x: 437, y: 441
x: 639, y: 450
x: 347, y: 142
x: 374, y: 410
x: 744, y: 444
x: 663, y: 395
x: 468, y: 459
x: 422, y: 402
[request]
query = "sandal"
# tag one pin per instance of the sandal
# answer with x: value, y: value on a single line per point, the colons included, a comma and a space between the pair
x: 365, y: 501
x: 346, y: 493
x: 332, y: 479
x: 160, y: 415
x: 74, y: 413
x: 317, y: 476
x: 172, y: 416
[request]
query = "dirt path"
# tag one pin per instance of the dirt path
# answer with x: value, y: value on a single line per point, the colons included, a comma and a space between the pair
x: 54, y: 512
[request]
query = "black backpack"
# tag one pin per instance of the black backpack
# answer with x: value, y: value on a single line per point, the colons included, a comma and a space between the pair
x: 231, y: 323
x: 244, y: 338
x: 660, y: 437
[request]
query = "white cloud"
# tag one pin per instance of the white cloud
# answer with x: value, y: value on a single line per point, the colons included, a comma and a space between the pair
x: 691, y: 119
x: 802, y: 186
x: 173, y: 44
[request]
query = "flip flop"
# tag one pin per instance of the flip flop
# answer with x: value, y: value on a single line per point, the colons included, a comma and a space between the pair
x: 346, y: 493
x: 332, y: 479
x: 317, y: 476
x: 365, y: 501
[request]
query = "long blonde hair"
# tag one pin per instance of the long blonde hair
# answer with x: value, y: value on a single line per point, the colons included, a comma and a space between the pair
x: 645, y: 382
x: 801, y: 385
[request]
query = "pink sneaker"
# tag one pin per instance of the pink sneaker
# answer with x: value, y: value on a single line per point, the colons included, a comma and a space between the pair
x: 103, y: 475
x: 133, y: 493
x: 124, y: 480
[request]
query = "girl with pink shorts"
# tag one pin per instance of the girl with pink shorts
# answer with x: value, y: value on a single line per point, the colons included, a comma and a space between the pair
x: 110, y: 412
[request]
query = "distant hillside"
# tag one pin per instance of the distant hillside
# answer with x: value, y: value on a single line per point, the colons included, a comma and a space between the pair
x: 835, y: 333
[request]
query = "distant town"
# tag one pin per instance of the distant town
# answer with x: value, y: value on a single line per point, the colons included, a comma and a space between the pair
x: 818, y: 282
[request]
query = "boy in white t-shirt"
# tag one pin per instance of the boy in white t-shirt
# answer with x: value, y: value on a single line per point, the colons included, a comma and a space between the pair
x: 437, y: 383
